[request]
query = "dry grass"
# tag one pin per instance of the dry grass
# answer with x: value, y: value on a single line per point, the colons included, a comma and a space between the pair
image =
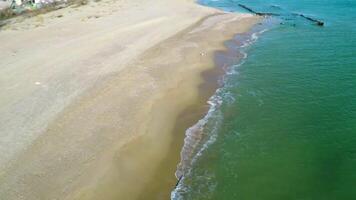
x: 7, y: 13
x: 10, y: 13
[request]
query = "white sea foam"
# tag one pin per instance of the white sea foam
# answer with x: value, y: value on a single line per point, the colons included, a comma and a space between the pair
x: 205, y: 132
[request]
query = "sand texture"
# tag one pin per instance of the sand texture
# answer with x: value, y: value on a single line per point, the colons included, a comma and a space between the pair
x: 90, y: 96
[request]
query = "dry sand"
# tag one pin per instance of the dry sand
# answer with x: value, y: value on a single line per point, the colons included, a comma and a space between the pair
x: 93, y: 98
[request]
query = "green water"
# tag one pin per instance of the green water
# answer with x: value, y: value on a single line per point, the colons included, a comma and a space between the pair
x: 287, y: 123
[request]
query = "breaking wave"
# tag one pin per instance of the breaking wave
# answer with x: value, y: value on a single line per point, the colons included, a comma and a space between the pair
x: 205, y: 132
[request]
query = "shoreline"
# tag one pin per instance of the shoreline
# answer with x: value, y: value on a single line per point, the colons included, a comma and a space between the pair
x: 196, y: 141
x: 124, y: 153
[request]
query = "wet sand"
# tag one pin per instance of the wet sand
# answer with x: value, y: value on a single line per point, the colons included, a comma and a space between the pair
x: 112, y: 127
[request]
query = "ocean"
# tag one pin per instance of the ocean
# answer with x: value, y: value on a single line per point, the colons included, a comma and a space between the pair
x: 283, y: 124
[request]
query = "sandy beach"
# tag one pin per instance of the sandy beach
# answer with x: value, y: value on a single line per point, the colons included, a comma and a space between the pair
x: 95, y: 99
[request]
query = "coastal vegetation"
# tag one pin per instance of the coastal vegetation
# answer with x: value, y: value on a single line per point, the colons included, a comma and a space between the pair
x: 31, y: 9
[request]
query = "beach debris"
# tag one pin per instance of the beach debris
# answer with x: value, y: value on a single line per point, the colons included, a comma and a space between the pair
x: 180, y: 178
x: 258, y: 13
x: 37, y: 83
x: 316, y: 21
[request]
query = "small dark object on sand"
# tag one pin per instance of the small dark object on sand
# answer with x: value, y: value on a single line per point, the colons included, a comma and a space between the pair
x: 180, y: 178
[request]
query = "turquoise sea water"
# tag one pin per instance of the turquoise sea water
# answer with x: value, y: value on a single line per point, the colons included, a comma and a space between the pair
x: 285, y: 124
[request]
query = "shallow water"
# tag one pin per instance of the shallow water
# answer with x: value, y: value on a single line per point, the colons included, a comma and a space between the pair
x: 285, y: 127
